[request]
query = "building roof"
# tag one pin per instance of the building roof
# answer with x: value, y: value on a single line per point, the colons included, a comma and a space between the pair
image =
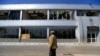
x: 49, y: 6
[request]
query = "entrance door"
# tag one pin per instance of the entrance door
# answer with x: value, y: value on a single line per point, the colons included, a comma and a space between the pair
x: 91, y: 37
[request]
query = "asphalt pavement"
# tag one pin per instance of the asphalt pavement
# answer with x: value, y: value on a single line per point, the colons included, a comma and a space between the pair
x: 42, y: 50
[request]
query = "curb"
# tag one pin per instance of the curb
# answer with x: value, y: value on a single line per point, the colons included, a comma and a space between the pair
x: 39, y: 43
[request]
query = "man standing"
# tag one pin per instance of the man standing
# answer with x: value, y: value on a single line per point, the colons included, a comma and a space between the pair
x: 52, y: 44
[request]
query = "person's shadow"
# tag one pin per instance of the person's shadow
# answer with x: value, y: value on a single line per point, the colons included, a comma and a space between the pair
x: 69, y: 54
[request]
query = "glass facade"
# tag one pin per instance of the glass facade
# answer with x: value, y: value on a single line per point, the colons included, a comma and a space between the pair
x: 33, y: 32
x: 44, y: 15
x: 29, y: 33
x: 9, y: 32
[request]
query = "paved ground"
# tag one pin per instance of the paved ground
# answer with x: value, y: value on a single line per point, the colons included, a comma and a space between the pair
x: 42, y: 50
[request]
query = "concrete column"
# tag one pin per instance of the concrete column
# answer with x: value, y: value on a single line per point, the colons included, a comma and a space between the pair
x: 21, y: 14
x: 48, y: 14
x: 19, y: 34
x: 20, y: 27
x: 57, y: 15
x: 47, y: 32
x: 80, y: 29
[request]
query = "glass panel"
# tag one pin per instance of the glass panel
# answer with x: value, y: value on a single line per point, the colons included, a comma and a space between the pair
x: 88, y: 40
x: 93, y: 40
x: 88, y: 35
x: 35, y: 33
x: 80, y: 13
x: 53, y: 15
x: 64, y: 33
x: 61, y: 15
x: 10, y: 15
x: 92, y: 13
x: 34, y: 14
x: 87, y: 13
x: 93, y: 35
x: 9, y: 33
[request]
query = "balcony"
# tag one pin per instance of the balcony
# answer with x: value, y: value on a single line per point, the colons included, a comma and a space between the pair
x: 4, y: 23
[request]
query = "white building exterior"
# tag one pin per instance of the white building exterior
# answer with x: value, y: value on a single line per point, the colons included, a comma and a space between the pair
x: 86, y: 26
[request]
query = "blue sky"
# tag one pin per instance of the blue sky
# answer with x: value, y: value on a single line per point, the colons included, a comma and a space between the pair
x: 50, y: 2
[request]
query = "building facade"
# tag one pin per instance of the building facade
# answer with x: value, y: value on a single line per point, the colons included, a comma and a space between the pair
x: 30, y: 22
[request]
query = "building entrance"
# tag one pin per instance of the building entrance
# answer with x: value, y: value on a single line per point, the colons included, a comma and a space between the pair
x: 91, y: 37
x: 92, y: 33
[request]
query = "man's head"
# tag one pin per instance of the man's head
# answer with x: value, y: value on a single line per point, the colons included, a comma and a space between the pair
x: 52, y: 32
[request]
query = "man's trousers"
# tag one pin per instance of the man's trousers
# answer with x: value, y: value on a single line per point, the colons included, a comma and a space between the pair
x: 52, y: 52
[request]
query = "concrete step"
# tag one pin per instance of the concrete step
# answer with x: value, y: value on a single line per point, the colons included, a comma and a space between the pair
x: 45, y: 43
